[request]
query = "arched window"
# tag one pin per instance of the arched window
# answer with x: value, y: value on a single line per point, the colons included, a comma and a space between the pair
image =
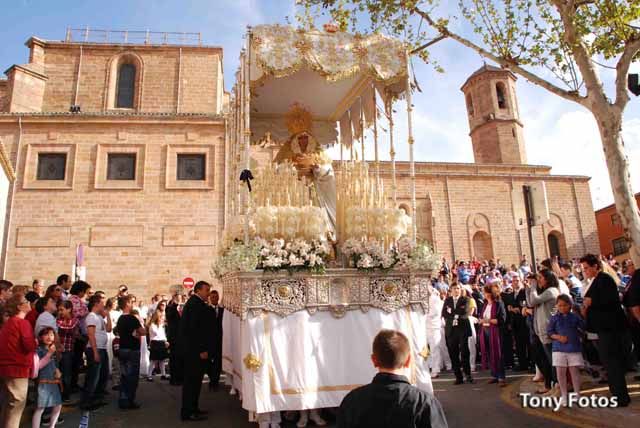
x: 126, y: 86
x: 500, y: 93
x: 469, y: 105
x: 482, y: 247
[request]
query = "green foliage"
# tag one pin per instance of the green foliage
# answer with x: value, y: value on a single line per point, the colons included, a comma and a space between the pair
x: 521, y: 32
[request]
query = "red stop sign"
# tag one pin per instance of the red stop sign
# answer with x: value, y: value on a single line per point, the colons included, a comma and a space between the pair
x: 188, y: 282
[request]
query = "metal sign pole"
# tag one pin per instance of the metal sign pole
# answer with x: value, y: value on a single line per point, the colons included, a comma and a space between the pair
x: 526, y: 190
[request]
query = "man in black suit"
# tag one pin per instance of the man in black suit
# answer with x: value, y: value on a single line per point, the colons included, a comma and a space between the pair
x: 390, y: 400
x: 457, y: 330
x: 176, y: 362
x: 214, y: 366
x: 193, y: 335
x: 604, y: 314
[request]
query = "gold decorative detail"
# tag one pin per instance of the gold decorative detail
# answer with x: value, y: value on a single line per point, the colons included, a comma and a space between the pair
x: 298, y: 119
x: 284, y: 291
x: 303, y: 46
x: 252, y: 362
x: 330, y: 27
x: 425, y: 352
x: 390, y: 289
x: 6, y: 163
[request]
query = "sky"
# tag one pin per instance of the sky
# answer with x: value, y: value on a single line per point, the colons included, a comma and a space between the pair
x: 557, y: 133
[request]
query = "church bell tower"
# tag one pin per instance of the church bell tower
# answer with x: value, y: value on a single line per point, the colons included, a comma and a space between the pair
x: 494, y: 117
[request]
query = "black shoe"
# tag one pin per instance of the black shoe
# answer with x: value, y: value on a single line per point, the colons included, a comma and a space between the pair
x: 458, y: 382
x: 470, y: 380
x: 194, y: 418
x: 624, y: 403
x: 164, y: 377
x: 134, y: 406
x: 201, y: 412
x: 115, y: 388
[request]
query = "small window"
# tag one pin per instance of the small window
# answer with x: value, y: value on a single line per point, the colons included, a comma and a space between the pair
x: 470, y: 105
x: 615, y: 219
x: 126, y: 86
x: 500, y: 92
x: 121, y: 166
x: 51, y: 166
x: 620, y: 246
x: 191, y: 166
x: 513, y: 132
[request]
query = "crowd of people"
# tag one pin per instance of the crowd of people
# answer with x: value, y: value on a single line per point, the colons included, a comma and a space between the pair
x: 559, y: 319
x: 49, y: 337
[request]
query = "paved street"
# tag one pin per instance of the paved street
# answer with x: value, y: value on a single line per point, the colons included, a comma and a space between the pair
x: 476, y: 405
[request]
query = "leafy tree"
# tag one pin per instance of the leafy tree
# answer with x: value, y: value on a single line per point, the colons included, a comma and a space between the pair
x: 556, y: 44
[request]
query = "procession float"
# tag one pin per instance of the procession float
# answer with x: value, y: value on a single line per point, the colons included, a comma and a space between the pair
x: 317, y: 256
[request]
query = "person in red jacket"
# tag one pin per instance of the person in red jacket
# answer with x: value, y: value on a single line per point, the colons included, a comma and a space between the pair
x: 17, y: 345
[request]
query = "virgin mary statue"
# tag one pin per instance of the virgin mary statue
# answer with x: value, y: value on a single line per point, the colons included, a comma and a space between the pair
x: 310, y: 160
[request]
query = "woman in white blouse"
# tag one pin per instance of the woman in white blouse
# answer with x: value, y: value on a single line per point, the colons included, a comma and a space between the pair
x: 158, y: 345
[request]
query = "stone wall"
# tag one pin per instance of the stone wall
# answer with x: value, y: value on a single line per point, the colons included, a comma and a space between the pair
x: 469, y: 199
x: 169, y: 79
x: 149, y: 237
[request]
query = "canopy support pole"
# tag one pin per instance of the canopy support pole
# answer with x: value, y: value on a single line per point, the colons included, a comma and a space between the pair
x: 375, y: 143
x: 247, y: 131
x: 412, y: 164
x: 392, y: 152
x: 362, y: 129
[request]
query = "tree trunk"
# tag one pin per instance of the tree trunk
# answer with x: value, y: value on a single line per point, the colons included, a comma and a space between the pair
x: 610, y: 125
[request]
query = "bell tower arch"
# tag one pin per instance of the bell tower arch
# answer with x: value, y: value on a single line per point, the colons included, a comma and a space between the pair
x: 494, y: 116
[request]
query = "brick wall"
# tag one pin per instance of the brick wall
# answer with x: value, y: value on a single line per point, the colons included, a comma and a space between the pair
x: 149, y: 238
x: 158, y: 78
x: 4, y: 95
x: 27, y: 90
x: 460, y: 194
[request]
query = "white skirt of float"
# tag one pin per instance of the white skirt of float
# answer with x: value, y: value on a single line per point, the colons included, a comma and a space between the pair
x: 305, y: 361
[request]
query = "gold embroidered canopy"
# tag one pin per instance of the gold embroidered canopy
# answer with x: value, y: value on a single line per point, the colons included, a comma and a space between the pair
x: 282, y: 50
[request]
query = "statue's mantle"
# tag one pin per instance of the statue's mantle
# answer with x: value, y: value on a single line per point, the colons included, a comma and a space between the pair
x: 337, y: 290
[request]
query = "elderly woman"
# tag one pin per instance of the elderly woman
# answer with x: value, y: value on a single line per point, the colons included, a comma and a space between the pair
x: 541, y: 295
x: 17, y: 346
x: 493, y: 318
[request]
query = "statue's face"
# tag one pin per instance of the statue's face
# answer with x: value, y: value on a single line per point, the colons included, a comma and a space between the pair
x: 303, y: 142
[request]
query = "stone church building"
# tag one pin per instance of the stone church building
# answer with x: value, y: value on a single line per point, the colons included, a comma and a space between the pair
x: 120, y: 148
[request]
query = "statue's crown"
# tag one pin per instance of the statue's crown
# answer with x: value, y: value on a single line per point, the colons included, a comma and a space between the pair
x: 298, y: 119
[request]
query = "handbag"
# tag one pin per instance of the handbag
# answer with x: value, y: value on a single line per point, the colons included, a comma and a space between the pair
x: 35, y: 366
x: 115, y: 346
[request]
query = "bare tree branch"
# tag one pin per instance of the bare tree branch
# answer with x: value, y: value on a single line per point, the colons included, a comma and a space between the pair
x: 429, y: 43
x: 630, y: 51
x: 595, y: 90
x: 569, y: 95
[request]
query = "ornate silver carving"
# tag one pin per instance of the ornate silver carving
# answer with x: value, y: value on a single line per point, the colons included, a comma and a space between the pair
x: 337, y: 291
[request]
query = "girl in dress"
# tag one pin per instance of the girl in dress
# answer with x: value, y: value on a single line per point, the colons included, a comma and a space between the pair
x: 158, y: 345
x: 48, y: 379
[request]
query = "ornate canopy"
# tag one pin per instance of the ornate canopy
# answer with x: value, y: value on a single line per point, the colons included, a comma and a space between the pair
x: 282, y: 50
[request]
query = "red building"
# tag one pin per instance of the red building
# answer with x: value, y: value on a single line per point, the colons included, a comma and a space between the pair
x: 610, y: 232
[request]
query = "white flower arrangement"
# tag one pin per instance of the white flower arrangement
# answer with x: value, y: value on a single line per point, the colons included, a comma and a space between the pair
x: 295, y: 255
x: 239, y: 257
x: 273, y: 255
x: 405, y: 254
